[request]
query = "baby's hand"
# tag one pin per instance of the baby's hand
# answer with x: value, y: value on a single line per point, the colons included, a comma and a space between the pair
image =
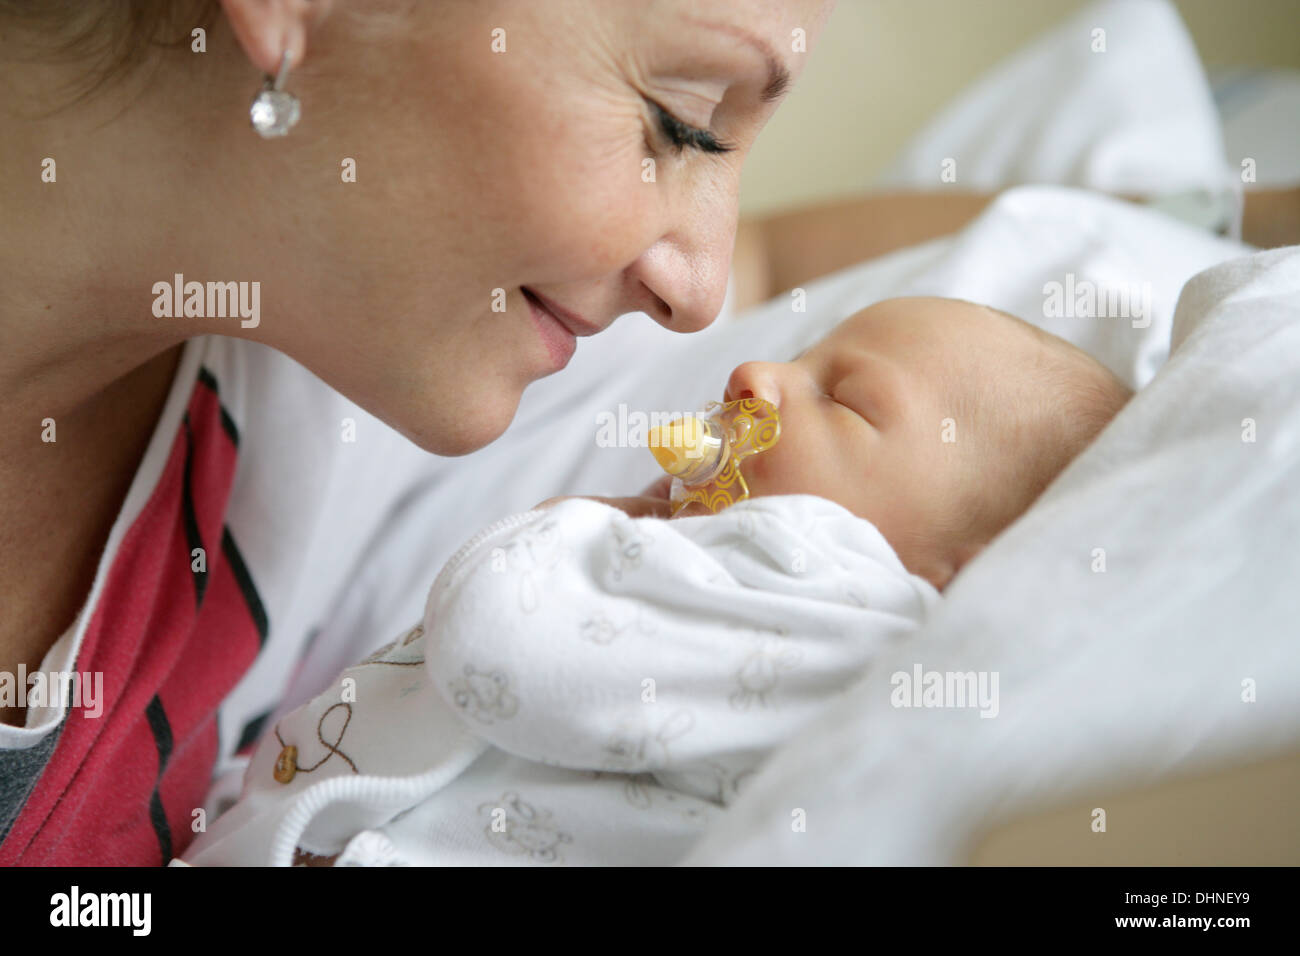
x: 662, y: 488
x: 652, y: 502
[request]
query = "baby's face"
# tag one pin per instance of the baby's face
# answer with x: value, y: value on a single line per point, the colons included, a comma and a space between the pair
x: 878, y: 417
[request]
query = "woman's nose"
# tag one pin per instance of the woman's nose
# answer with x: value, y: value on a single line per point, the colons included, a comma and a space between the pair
x: 755, y: 380
x: 686, y: 271
x: 685, y: 293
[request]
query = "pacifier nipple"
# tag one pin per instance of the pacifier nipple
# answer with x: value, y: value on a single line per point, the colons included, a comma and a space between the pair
x: 688, y: 448
x: 703, y: 452
x: 675, y: 444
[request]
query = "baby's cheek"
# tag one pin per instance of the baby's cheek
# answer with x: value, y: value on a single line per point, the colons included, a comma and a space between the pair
x: 806, y: 462
x: 776, y: 471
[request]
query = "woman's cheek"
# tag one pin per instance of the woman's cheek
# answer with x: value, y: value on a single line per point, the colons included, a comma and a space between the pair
x: 616, y: 218
x: 586, y: 228
x: 620, y: 199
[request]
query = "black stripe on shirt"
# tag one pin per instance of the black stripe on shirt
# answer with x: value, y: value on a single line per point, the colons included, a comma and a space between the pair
x: 245, y: 581
x: 162, y: 736
x: 232, y: 430
x: 192, y: 533
x: 252, y: 731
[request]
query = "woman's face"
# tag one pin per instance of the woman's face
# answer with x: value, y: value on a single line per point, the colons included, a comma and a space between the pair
x: 512, y: 153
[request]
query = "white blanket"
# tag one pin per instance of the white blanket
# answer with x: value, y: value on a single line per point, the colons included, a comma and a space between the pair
x: 597, y: 684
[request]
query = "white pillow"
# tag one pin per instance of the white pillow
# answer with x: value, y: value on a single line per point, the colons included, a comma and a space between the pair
x: 1126, y: 110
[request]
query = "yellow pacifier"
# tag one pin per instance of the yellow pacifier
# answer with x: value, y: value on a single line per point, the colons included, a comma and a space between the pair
x: 703, y: 452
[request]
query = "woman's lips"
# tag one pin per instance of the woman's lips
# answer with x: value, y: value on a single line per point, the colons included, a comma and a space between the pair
x: 555, y: 335
x: 570, y: 320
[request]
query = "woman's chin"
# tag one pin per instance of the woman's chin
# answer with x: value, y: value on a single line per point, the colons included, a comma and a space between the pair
x: 454, y: 434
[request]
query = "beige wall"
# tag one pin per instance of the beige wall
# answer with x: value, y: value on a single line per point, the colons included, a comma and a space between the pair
x: 883, y: 67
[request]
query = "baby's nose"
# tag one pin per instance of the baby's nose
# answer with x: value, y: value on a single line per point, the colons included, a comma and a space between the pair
x: 755, y: 380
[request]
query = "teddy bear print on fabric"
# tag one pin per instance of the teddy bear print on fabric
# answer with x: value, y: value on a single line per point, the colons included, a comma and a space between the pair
x: 516, y: 827
x: 629, y: 546
x: 761, y: 671
x: 603, y: 629
x: 531, y: 556
x: 484, y: 695
x: 637, y: 745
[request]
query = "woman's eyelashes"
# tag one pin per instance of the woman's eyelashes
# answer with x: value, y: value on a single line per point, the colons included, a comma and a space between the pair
x: 684, y: 136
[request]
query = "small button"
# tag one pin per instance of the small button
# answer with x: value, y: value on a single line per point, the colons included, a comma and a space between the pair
x: 286, y: 765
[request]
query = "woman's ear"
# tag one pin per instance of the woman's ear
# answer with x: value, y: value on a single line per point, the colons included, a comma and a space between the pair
x: 267, y: 29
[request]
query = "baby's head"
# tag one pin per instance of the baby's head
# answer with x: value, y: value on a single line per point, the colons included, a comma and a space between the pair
x: 938, y: 420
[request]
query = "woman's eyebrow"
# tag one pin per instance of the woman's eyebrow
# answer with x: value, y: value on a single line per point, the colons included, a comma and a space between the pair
x: 778, y: 77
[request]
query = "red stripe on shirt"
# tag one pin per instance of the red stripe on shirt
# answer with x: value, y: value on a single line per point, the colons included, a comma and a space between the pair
x: 91, y: 805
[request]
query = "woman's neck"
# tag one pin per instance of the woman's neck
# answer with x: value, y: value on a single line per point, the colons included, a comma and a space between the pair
x: 62, y: 482
x: 85, y: 369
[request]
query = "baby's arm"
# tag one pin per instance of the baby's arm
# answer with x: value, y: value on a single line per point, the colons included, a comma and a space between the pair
x: 652, y: 502
x: 583, y: 637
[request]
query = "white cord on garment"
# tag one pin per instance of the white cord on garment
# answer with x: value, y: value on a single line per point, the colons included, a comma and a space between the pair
x: 402, y: 792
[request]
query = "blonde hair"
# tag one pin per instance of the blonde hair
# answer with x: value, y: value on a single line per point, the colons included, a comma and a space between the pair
x: 1060, y: 399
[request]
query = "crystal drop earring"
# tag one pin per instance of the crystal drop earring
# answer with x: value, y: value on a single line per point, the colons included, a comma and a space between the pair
x: 275, y: 111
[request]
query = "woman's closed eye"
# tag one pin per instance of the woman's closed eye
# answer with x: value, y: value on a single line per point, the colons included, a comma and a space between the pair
x: 684, y: 136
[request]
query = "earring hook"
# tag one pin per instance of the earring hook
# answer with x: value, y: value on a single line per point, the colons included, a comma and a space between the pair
x: 283, y: 74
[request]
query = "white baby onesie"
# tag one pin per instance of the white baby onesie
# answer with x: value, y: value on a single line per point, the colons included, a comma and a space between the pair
x: 585, y: 688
